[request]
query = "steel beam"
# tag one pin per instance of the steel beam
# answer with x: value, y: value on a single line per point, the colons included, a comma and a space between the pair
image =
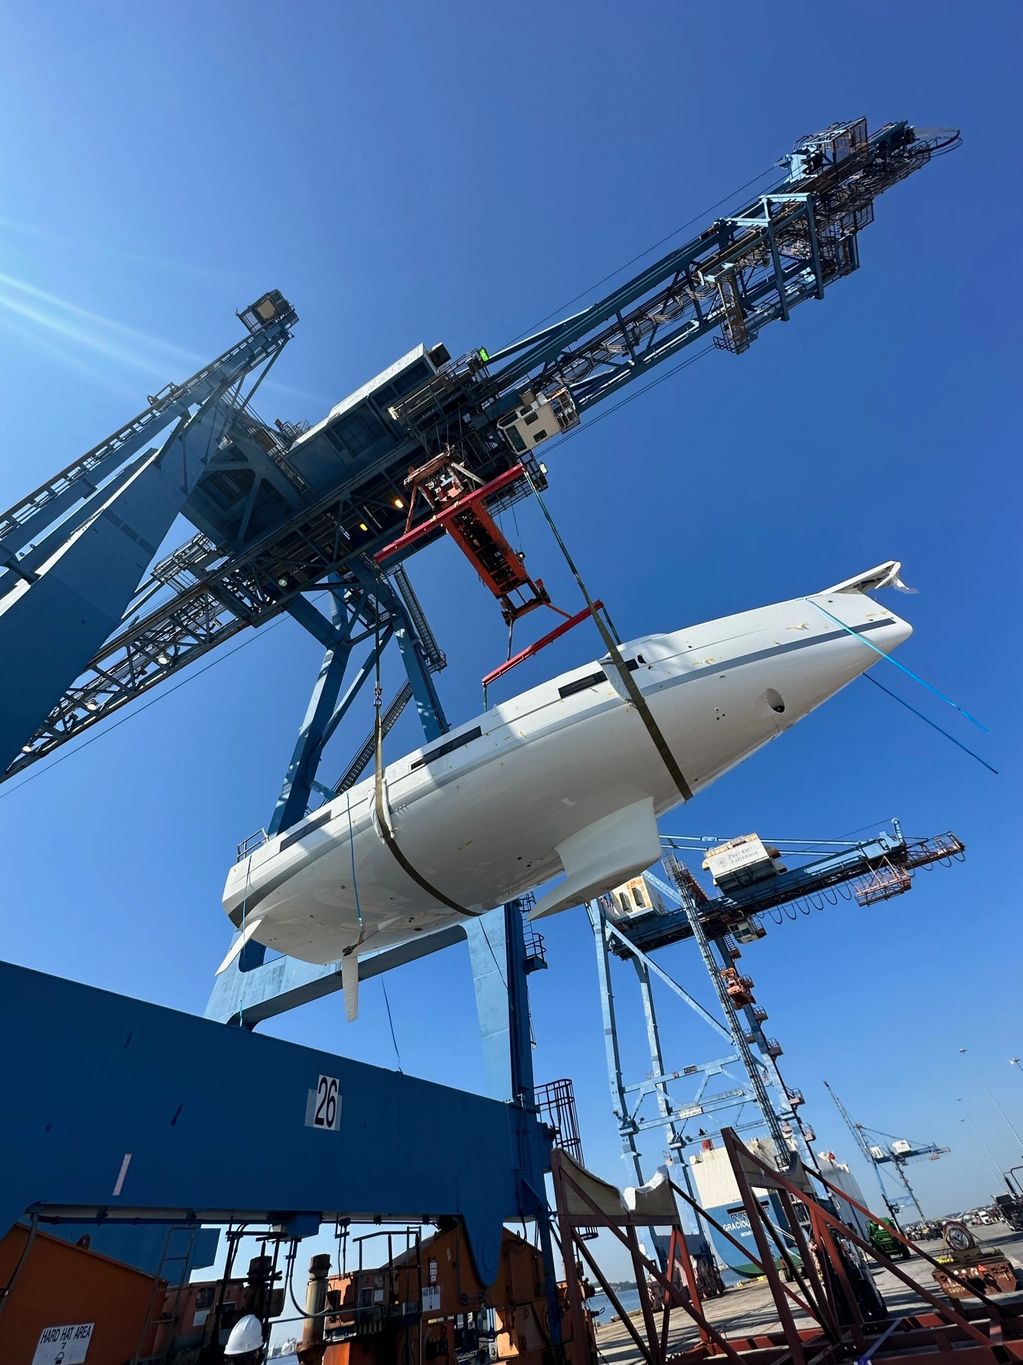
x: 22, y: 555
x: 753, y: 1066
x: 248, y: 990
x: 501, y: 1002
x: 323, y: 715
x: 20, y: 524
x: 637, y: 953
x: 413, y: 656
x: 658, y: 1080
x: 627, y: 1100
x: 150, y: 1115
x: 612, y: 1048
x: 497, y: 952
x: 626, y: 1111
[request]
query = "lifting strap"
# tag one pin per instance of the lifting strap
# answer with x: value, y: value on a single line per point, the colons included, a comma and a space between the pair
x: 628, y: 682
x: 620, y: 666
x: 641, y: 705
x: 387, y: 833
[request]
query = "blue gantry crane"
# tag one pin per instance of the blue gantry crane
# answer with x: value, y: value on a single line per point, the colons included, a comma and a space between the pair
x: 88, y: 623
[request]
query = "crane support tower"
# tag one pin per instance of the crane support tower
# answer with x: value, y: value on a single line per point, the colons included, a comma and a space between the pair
x: 88, y: 623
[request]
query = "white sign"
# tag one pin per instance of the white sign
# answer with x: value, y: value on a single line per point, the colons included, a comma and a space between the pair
x: 323, y: 1107
x: 431, y: 1299
x: 63, y: 1345
x: 735, y: 855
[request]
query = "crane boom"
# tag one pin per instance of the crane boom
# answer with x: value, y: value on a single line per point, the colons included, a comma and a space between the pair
x: 856, y: 865
x: 19, y: 523
x: 281, y: 511
x: 854, y: 1128
x: 745, y: 270
x: 859, y: 1137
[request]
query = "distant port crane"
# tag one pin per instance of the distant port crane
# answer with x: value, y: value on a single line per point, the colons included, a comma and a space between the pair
x: 897, y: 1154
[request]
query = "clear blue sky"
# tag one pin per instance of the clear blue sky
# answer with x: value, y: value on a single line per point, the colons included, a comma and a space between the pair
x: 419, y: 172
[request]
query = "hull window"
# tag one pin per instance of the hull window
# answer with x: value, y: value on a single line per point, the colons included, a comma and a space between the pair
x: 448, y: 748
x: 304, y: 829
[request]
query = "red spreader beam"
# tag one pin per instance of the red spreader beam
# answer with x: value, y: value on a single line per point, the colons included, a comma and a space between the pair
x: 542, y: 643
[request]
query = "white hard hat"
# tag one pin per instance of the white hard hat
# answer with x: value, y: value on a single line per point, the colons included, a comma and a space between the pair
x: 246, y: 1337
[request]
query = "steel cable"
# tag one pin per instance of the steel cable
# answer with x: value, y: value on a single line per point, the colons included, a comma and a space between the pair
x: 556, y: 312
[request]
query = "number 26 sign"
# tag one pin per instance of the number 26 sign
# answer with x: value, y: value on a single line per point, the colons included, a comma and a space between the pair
x: 324, y: 1107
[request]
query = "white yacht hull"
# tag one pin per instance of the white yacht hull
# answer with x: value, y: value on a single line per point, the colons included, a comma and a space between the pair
x: 563, y: 778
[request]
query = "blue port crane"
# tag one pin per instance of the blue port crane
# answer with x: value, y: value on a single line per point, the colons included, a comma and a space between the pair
x: 636, y: 922
x: 282, y: 511
x: 896, y: 1153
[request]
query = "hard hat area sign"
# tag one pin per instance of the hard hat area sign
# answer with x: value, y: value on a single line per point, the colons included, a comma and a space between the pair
x: 63, y: 1345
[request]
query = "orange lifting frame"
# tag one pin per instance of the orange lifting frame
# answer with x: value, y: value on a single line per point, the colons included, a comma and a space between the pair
x: 474, y: 531
x: 477, y: 535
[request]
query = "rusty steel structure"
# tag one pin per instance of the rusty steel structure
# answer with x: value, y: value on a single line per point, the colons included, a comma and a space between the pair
x: 828, y: 1308
x: 424, y: 1302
